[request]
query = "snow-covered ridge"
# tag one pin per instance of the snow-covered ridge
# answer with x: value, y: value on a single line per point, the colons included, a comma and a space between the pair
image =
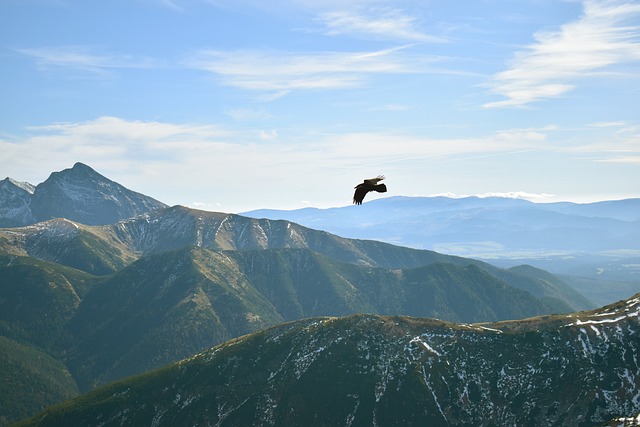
x: 630, y: 309
x: 22, y: 185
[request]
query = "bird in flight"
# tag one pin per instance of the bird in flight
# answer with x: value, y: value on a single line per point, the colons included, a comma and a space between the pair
x: 368, y: 185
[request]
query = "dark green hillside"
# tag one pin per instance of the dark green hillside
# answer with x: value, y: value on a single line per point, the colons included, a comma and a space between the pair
x: 466, y: 294
x: 38, y: 298
x: 168, y: 306
x: 550, y: 287
x: 30, y: 380
x: 160, y: 309
x: 301, y: 283
x: 84, y: 251
x: 72, y: 244
x: 570, y: 370
x: 543, y: 285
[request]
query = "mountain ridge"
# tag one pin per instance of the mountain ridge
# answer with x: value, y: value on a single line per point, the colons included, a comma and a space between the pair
x: 104, y: 249
x: 359, y: 370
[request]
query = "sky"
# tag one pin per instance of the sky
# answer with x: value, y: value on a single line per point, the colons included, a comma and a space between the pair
x: 234, y: 105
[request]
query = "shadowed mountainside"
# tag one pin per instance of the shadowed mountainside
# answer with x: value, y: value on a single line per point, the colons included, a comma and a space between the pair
x: 571, y: 370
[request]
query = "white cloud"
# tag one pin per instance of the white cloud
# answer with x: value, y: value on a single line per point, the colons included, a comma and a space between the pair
x: 607, y: 124
x: 377, y: 23
x: 109, y: 142
x: 247, y: 114
x: 281, y: 72
x: 606, y: 35
x: 632, y: 160
x: 271, y: 134
x: 391, y: 107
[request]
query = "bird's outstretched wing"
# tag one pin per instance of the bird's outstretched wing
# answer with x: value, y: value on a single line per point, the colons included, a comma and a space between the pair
x: 361, y: 191
x: 374, y: 181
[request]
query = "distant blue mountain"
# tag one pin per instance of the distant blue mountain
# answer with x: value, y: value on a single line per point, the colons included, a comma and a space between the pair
x: 596, y: 240
x: 498, y: 225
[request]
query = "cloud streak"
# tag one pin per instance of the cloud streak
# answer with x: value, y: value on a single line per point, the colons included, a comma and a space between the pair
x: 85, y: 59
x: 282, y: 72
x: 605, y: 36
x: 379, y: 23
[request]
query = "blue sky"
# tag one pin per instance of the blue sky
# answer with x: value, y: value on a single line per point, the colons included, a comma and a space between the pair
x: 236, y: 105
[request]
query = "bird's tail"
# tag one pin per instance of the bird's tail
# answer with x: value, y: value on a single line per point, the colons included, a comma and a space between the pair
x: 381, y: 188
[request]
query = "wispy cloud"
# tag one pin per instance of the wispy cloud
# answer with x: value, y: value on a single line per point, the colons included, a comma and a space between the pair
x: 607, y: 124
x: 171, y: 5
x: 391, y: 107
x: 112, y: 139
x: 606, y: 35
x: 89, y: 60
x: 280, y: 72
x: 632, y: 160
x: 248, y: 114
x: 141, y: 152
x: 210, y: 163
x: 377, y: 23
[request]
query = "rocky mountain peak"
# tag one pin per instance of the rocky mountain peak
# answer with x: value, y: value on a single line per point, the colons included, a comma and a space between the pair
x: 80, y: 194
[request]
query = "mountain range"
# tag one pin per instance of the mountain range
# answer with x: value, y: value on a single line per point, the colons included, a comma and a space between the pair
x: 139, y: 276
x: 86, y: 303
x: 598, y: 244
x: 579, y: 369
x: 479, y: 225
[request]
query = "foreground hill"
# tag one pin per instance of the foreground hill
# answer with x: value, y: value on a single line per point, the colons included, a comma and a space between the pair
x: 572, y: 370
